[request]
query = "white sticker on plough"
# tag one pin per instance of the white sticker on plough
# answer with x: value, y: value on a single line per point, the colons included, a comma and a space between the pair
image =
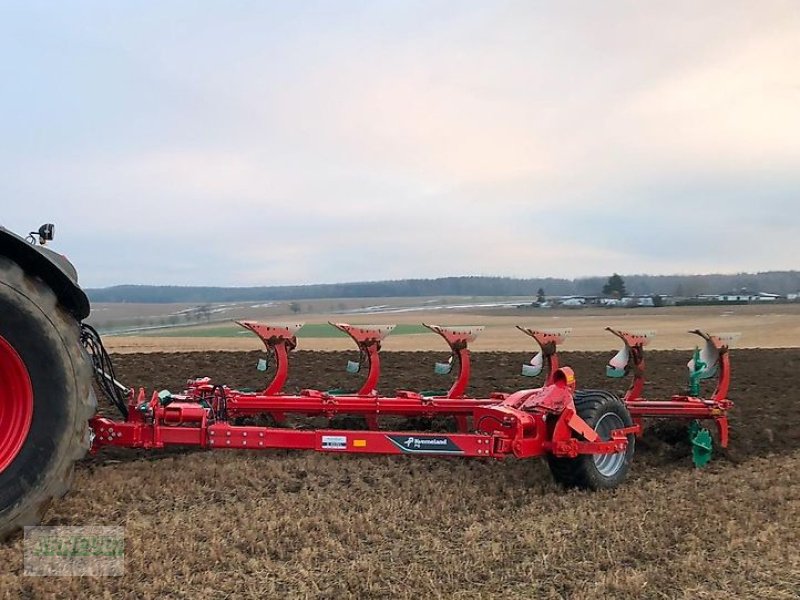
x: 334, y: 442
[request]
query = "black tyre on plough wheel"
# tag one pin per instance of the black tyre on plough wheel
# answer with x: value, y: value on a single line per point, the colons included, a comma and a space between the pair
x: 46, y: 397
x: 604, y: 412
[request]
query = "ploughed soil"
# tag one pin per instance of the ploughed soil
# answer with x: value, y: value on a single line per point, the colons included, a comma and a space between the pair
x: 293, y: 524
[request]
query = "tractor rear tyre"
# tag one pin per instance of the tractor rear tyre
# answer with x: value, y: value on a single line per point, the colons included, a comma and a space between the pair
x: 604, y: 412
x: 46, y: 398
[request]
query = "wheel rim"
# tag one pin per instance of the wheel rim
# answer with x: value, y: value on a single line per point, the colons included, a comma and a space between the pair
x: 16, y: 404
x: 609, y: 464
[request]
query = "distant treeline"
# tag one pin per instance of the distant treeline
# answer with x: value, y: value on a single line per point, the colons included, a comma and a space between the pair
x: 776, y: 282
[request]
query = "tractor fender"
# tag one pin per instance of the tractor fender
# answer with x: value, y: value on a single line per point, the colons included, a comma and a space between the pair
x: 52, y: 268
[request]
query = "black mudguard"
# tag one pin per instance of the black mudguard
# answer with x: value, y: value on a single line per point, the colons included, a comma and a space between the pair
x: 55, y: 270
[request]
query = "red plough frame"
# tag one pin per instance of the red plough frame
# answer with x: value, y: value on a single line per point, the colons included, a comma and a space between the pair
x: 524, y: 424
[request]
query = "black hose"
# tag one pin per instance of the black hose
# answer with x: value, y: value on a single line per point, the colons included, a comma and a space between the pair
x: 104, y: 376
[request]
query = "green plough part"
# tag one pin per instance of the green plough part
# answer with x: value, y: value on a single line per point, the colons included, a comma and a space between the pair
x: 697, y: 375
x: 702, y: 444
x: 340, y: 392
x: 433, y: 393
x: 442, y: 368
x: 615, y: 373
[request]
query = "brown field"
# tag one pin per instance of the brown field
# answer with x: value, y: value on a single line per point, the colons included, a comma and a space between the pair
x: 291, y: 524
x: 761, y: 326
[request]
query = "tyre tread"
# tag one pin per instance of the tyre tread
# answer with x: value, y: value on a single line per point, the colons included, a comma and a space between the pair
x: 58, y: 479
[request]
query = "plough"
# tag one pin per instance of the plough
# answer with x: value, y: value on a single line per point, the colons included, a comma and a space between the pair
x: 586, y: 435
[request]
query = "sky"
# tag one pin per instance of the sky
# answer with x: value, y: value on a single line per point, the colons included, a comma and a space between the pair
x: 268, y: 143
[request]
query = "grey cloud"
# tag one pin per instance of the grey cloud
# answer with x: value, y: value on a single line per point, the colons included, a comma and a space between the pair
x: 245, y: 143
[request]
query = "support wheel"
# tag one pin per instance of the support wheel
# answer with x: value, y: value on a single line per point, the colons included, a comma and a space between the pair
x: 604, y: 413
x: 46, y: 398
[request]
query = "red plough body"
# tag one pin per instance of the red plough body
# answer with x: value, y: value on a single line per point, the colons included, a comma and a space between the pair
x: 524, y: 424
x: 683, y: 406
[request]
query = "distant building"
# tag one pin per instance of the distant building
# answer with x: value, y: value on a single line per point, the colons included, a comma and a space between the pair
x: 735, y: 298
x: 573, y: 302
x: 741, y: 298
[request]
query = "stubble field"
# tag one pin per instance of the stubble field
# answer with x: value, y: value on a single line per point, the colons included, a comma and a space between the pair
x: 291, y: 524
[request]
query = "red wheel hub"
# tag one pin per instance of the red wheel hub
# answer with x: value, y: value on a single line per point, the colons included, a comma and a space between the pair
x: 16, y: 404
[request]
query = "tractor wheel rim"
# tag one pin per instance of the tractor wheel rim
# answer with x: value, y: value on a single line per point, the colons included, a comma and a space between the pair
x: 608, y: 464
x: 16, y: 404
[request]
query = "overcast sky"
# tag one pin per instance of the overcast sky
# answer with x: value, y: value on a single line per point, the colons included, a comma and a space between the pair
x: 258, y: 143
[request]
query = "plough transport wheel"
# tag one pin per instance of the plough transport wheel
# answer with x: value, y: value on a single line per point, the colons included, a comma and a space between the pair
x: 45, y: 398
x: 604, y: 413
